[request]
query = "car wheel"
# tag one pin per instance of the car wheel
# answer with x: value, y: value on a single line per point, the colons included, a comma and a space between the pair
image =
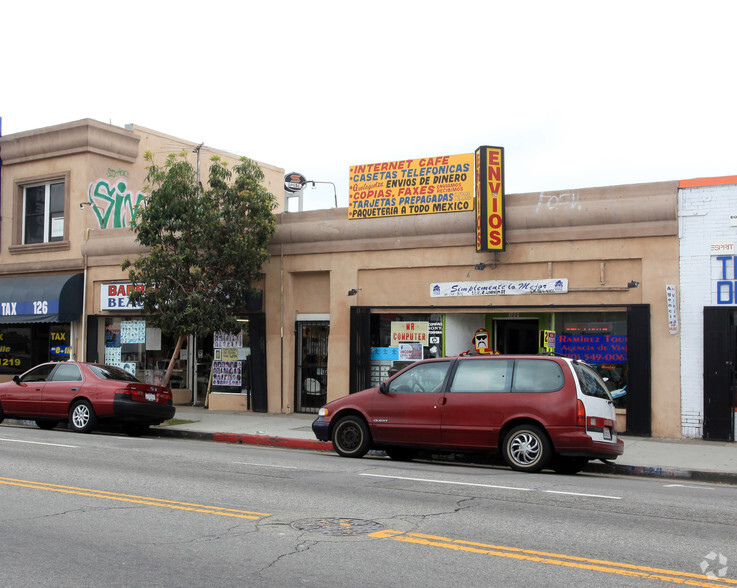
x: 351, y: 437
x: 135, y: 430
x: 82, y: 418
x: 46, y: 424
x: 527, y: 449
x: 569, y: 465
x: 401, y: 453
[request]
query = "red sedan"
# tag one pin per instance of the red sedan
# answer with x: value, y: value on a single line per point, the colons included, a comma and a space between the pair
x: 85, y: 395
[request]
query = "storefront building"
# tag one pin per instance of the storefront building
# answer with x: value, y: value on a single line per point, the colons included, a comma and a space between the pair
x: 708, y: 307
x: 352, y: 299
x: 67, y: 198
x: 347, y: 298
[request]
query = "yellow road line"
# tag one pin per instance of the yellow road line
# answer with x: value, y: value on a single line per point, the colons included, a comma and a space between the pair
x: 609, y: 567
x: 216, y: 510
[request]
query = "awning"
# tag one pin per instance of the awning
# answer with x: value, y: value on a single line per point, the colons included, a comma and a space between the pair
x: 41, y: 299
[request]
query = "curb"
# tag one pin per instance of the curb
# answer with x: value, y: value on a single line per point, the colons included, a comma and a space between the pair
x: 271, y: 441
x: 247, y: 439
x: 662, y: 473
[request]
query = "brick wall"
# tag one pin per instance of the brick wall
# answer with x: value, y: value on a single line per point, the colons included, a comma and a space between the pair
x: 703, y: 218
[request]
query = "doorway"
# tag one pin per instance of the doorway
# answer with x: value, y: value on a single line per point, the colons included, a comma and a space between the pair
x: 720, y: 358
x: 513, y: 336
x: 311, y: 370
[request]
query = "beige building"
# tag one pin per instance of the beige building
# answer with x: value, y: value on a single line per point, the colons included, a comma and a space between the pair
x: 340, y: 286
x: 68, y: 195
x: 344, y: 301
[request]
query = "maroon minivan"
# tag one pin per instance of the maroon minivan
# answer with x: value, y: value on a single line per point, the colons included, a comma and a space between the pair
x: 537, y: 411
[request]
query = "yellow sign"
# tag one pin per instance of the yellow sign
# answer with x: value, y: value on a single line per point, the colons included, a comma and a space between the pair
x: 490, y: 199
x: 229, y: 354
x: 411, y: 186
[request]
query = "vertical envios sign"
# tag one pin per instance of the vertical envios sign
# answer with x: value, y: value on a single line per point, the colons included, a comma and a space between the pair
x: 490, y: 199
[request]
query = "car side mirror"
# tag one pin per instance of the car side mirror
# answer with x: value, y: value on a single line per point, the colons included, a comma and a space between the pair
x: 384, y: 387
x: 16, y: 379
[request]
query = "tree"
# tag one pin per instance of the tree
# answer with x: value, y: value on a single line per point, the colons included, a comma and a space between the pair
x: 205, y: 246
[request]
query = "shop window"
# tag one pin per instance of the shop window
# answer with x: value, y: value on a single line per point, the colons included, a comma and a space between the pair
x: 23, y: 346
x: 599, y: 339
x: 41, y: 211
x: 144, y: 351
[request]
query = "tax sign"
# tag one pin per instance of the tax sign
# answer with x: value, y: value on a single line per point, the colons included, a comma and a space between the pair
x: 490, y: 199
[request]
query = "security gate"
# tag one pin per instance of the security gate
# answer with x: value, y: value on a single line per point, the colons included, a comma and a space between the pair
x: 311, y: 370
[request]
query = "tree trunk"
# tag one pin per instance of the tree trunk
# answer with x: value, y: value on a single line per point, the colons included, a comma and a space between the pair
x: 174, y: 357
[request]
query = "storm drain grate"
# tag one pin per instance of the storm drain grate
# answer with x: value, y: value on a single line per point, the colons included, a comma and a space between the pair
x: 337, y: 526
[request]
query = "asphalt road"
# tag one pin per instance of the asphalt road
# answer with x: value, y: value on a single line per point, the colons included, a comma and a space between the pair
x: 104, y: 510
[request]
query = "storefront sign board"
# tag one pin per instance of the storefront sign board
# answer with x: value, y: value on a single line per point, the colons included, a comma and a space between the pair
x: 409, y: 332
x: 490, y: 199
x: 499, y: 288
x: 411, y: 186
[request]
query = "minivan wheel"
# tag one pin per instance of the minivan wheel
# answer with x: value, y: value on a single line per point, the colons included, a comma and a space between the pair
x: 527, y: 449
x: 82, y: 418
x: 351, y: 437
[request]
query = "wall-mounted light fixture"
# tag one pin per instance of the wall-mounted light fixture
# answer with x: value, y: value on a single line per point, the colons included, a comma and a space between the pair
x: 633, y: 284
x: 353, y: 291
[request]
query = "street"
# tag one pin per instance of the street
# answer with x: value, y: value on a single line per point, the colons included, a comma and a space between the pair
x: 104, y: 510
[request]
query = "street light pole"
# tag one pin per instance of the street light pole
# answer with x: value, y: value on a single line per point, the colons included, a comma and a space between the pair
x: 335, y: 191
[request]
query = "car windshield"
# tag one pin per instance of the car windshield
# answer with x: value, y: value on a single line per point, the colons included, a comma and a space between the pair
x: 109, y: 372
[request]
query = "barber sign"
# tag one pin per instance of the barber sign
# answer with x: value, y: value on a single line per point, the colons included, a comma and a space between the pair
x: 115, y: 296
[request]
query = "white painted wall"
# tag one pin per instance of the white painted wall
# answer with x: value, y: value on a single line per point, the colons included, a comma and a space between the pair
x: 703, y: 218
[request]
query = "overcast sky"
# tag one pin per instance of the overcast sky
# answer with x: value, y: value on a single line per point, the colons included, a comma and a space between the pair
x: 579, y: 93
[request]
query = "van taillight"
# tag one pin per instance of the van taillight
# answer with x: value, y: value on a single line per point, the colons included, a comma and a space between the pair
x: 580, y: 414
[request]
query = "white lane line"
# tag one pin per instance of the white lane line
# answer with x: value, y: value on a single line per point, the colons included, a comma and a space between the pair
x: 265, y: 465
x: 582, y: 494
x: 39, y: 443
x: 686, y: 486
x: 448, y: 482
x: 492, y: 486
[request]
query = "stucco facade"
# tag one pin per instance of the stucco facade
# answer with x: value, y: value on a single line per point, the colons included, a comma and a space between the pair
x: 616, y: 246
x: 102, y: 172
x: 600, y: 239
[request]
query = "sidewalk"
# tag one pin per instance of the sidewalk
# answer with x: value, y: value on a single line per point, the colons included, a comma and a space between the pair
x: 677, y: 459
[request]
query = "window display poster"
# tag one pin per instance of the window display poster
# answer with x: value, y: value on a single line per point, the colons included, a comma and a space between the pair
x: 132, y: 332
x: 410, y: 351
x: 223, y: 340
x: 229, y: 354
x: 226, y: 373
x: 112, y: 356
x: 153, y: 339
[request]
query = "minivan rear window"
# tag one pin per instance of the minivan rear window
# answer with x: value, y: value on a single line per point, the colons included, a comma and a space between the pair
x: 537, y: 375
x: 591, y: 383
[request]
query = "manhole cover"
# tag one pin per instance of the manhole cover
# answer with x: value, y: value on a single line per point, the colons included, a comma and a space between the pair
x: 337, y: 526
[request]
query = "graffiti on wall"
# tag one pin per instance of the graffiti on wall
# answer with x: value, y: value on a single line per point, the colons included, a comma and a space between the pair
x: 553, y: 201
x: 114, y: 204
